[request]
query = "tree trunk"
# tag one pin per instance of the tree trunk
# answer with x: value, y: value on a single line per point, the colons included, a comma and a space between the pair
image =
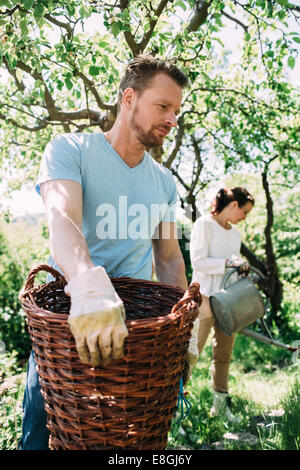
x: 275, y: 286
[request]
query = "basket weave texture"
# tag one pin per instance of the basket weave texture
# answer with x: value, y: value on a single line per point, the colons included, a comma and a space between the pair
x: 128, y: 404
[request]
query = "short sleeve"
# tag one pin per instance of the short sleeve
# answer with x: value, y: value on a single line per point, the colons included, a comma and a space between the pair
x: 61, y: 160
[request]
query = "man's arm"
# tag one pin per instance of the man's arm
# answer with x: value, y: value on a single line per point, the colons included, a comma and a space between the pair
x: 97, y: 314
x: 168, y: 259
x: 63, y: 206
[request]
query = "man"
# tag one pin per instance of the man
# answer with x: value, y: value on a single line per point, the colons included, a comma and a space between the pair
x: 108, y: 203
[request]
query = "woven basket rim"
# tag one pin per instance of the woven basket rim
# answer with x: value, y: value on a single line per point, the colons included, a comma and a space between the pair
x: 26, y: 296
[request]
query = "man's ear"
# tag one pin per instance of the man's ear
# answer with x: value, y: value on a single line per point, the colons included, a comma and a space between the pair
x: 128, y: 98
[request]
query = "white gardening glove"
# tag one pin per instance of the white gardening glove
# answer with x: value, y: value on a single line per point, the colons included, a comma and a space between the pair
x: 97, y: 317
x: 193, y: 352
x: 237, y: 262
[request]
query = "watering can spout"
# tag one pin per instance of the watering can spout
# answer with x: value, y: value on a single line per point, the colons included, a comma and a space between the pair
x: 267, y: 340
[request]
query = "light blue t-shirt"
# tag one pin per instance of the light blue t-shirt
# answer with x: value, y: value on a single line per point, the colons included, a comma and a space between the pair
x: 122, y: 206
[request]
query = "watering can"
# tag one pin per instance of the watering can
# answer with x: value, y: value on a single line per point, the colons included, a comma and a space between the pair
x: 240, y: 304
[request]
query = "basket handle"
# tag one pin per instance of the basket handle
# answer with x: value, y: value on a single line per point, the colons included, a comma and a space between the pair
x: 192, y: 294
x: 35, y: 270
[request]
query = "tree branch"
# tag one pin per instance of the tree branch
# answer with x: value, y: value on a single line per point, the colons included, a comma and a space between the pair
x: 293, y: 7
x: 61, y: 24
x: 41, y: 126
x: 201, y: 12
x: 253, y: 260
x: 147, y: 36
x: 197, y: 152
x: 19, y: 84
x: 178, y: 143
x: 91, y: 86
x: 55, y: 114
x: 245, y: 28
x: 50, y: 103
x: 137, y: 48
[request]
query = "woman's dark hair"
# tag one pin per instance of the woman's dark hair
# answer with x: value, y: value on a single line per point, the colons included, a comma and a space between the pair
x: 143, y: 68
x: 227, y: 195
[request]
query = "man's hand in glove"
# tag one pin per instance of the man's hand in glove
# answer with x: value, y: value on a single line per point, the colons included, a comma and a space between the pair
x: 97, y: 317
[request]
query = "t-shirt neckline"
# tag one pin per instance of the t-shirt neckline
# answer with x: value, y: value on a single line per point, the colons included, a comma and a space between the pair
x: 117, y: 157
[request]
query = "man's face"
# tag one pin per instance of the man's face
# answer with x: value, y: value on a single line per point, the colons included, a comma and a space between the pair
x: 155, y: 111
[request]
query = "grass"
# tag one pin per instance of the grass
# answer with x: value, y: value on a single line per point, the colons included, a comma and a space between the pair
x: 265, y: 389
x: 265, y: 398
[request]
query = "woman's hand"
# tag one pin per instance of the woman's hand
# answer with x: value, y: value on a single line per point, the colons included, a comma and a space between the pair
x: 237, y: 262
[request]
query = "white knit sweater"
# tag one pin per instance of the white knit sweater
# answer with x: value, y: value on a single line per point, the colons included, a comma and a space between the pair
x: 210, y: 244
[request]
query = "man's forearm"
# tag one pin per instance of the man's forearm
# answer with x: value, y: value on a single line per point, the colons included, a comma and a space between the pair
x: 172, y: 272
x: 68, y: 245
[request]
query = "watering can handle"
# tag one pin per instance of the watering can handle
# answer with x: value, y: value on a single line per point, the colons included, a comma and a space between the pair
x: 233, y: 270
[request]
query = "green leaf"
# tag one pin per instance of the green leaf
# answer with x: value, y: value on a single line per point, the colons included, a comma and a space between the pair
x: 38, y: 12
x: 106, y: 60
x: 296, y: 39
x: 115, y: 29
x: 94, y: 70
x: 180, y: 3
x: 281, y: 14
x: 59, y: 85
x: 291, y: 62
x: 28, y: 4
x: 4, y: 3
x: 68, y: 83
x: 103, y: 44
x: 71, y: 9
x: 24, y: 27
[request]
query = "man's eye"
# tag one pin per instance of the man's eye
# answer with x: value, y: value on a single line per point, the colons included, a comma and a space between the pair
x: 163, y: 106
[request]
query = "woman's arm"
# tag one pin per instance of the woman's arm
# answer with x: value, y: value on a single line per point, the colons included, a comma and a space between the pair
x: 199, y: 243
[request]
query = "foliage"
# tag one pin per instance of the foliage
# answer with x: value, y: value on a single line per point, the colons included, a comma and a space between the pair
x: 12, y: 324
x: 11, y: 394
x: 62, y: 77
x: 290, y: 432
x: 20, y: 250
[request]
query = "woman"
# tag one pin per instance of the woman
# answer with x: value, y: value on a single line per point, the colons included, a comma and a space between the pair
x: 215, y: 247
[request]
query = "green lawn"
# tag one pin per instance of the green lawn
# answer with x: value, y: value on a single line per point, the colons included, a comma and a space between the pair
x: 265, y: 397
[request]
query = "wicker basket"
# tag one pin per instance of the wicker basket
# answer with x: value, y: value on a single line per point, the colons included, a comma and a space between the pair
x: 130, y: 403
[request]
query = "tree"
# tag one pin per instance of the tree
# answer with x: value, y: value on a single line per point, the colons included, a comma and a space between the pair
x: 61, y: 78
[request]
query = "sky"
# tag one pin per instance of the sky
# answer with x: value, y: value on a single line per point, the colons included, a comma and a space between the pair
x: 27, y: 201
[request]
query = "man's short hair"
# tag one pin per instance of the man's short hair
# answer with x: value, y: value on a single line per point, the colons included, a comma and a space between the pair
x: 142, y: 69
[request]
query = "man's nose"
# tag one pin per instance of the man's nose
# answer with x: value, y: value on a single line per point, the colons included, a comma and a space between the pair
x: 171, y: 119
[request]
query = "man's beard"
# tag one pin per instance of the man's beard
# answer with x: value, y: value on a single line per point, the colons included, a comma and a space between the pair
x: 147, y: 138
